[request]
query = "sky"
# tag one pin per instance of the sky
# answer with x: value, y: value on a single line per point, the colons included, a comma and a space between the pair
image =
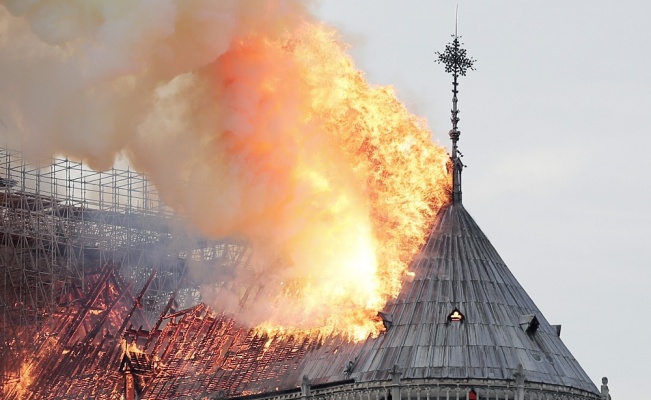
x: 554, y: 126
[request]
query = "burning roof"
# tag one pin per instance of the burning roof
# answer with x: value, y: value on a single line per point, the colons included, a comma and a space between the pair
x: 199, y: 352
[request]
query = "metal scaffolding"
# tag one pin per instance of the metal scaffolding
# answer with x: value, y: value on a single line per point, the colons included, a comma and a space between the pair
x: 63, y: 226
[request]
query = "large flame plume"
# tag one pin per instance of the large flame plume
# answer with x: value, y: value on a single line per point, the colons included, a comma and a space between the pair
x: 251, y: 121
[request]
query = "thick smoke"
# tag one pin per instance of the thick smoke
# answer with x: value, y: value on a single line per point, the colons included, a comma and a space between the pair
x: 250, y: 120
x: 79, y: 77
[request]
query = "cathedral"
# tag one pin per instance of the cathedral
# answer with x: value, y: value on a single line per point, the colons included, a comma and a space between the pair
x: 461, y: 328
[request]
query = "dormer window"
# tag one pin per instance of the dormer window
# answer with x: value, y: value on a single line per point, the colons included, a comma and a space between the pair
x: 529, y: 323
x: 456, y: 316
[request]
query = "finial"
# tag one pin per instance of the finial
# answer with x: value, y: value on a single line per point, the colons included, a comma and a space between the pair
x: 456, y: 62
x: 456, y: 20
x: 605, y: 392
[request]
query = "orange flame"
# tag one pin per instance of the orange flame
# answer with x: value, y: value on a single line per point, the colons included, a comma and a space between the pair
x: 373, y: 179
x: 131, y: 347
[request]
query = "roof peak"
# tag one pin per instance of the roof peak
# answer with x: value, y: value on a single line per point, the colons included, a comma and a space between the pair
x: 456, y: 61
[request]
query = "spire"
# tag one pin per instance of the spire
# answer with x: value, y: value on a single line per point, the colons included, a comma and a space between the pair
x: 456, y: 62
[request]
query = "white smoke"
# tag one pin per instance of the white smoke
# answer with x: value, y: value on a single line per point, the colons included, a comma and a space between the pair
x: 79, y: 77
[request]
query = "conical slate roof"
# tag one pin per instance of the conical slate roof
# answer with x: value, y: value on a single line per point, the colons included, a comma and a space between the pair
x: 459, y: 269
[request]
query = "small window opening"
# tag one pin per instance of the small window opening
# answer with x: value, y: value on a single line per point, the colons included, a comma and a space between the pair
x: 472, y: 395
x: 529, y: 323
x: 455, y: 316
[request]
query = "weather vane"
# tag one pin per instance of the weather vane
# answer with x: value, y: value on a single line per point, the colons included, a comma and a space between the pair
x: 456, y: 61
